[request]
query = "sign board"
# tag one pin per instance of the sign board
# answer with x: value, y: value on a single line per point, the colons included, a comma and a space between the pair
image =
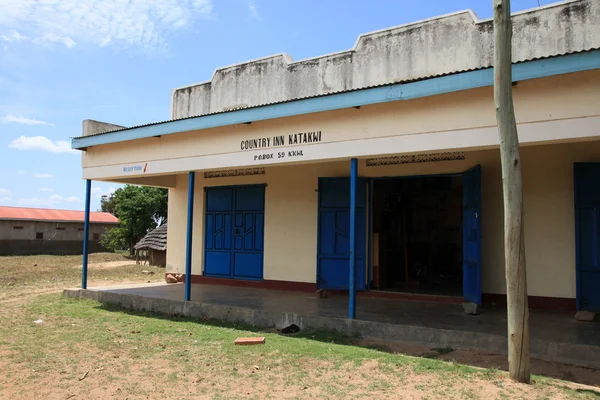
x: 272, y: 145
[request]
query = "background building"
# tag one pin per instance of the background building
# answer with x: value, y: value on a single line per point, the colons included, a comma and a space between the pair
x: 45, y: 231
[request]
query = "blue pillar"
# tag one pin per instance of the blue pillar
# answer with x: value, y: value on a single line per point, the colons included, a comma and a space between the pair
x: 370, y: 238
x: 352, y: 285
x: 86, y: 233
x: 188, y: 244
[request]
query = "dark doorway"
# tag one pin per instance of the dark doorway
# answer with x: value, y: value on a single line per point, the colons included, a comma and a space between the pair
x: 418, y: 235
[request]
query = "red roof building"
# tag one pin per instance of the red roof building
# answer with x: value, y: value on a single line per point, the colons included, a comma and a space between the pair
x: 50, y: 215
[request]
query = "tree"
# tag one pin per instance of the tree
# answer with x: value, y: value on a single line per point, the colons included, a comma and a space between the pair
x: 139, y: 210
x: 107, y: 203
x: 512, y: 187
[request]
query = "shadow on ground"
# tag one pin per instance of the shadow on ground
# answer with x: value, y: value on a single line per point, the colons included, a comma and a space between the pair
x: 571, y: 373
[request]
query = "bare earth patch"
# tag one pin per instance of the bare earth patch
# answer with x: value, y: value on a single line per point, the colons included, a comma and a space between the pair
x: 575, y: 374
x: 107, y: 264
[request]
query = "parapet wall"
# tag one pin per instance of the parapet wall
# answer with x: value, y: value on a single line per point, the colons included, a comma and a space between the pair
x: 440, y: 45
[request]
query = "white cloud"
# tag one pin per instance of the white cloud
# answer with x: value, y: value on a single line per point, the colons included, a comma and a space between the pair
x: 106, y: 41
x: 72, y: 199
x: 52, y: 201
x: 21, y: 172
x: 253, y: 10
x: 42, y: 143
x: 132, y: 23
x: 5, y: 199
x: 43, y: 176
x: 54, y: 38
x: 5, y: 192
x: 45, y: 189
x: 99, y: 192
x: 22, y: 120
x: 13, y: 36
x: 38, y: 202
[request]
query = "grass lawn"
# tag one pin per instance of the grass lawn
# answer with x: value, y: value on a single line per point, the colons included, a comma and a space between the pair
x: 84, y: 350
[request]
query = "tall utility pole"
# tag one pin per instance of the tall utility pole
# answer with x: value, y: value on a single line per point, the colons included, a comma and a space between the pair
x: 512, y: 187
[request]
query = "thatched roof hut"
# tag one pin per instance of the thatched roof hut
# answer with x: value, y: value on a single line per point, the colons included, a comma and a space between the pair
x: 154, y: 244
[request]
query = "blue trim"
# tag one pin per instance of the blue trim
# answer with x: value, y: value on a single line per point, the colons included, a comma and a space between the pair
x: 352, y: 281
x: 402, y: 91
x: 190, y: 230
x: 86, y: 234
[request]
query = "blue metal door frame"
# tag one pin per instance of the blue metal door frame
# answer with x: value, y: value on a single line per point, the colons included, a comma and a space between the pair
x: 237, y: 216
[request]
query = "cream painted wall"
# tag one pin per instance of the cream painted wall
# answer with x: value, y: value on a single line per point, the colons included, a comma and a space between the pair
x: 547, y: 99
x: 291, y: 215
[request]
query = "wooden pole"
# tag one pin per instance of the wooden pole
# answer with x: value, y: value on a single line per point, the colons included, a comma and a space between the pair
x: 512, y: 185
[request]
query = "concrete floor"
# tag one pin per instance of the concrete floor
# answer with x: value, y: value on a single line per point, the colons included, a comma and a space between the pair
x: 545, y: 326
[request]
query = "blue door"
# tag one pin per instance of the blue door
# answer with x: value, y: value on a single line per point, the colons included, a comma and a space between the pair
x: 234, y: 232
x: 472, y: 235
x: 333, y: 261
x: 587, y: 224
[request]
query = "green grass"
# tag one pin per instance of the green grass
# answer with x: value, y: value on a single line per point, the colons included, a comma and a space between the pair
x: 81, y: 335
x: 90, y: 350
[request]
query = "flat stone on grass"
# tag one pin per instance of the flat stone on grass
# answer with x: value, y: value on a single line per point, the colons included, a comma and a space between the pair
x: 248, y: 341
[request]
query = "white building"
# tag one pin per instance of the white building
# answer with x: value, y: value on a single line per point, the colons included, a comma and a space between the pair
x: 265, y: 150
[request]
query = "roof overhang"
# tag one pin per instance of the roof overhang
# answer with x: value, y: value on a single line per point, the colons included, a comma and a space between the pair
x: 577, y: 62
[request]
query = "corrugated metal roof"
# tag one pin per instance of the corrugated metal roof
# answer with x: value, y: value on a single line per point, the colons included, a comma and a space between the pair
x: 51, y: 215
x: 411, y: 80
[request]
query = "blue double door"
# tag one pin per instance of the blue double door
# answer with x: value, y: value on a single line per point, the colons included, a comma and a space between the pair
x: 234, y: 232
x: 333, y: 254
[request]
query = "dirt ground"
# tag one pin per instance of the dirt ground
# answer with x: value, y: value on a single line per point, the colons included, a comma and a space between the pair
x: 107, y: 264
x: 571, y: 373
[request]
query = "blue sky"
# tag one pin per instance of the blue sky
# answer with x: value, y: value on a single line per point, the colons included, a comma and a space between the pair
x: 62, y: 61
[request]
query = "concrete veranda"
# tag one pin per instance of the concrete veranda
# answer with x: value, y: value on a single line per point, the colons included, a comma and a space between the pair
x: 554, y: 336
